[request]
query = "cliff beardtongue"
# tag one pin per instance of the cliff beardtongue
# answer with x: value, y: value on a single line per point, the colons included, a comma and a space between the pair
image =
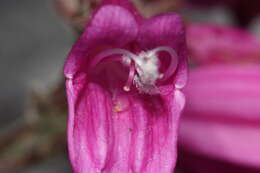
x: 123, y: 80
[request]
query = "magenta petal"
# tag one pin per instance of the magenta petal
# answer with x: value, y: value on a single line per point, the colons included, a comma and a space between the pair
x: 108, y: 23
x: 166, y: 30
x: 111, y: 129
x: 122, y: 132
x: 211, y: 44
x: 222, y: 115
x: 128, y: 5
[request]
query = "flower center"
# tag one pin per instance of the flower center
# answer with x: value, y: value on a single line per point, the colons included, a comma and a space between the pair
x: 143, y: 67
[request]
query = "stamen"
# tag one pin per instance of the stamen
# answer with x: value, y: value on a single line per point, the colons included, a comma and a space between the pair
x: 143, y: 68
x: 130, y: 77
x: 126, y: 54
x: 110, y: 52
x: 173, y: 64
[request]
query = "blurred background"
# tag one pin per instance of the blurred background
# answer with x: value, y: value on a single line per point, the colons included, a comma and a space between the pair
x: 35, y: 39
x: 34, y: 43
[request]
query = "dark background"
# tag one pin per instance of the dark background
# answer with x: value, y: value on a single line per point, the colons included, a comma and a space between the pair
x: 34, y: 42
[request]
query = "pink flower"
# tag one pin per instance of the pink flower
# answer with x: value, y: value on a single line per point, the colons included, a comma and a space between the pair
x: 124, y: 77
x: 220, y: 126
x: 222, y: 114
x: 212, y: 44
x: 242, y: 10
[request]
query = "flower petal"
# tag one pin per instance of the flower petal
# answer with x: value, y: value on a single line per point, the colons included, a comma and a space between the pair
x: 166, y: 30
x: 111, y: 26
x: 121, y: 132
x: 230, y: 92
x: 125, y: 4
x: 212, y: 44
x: 222, y: 115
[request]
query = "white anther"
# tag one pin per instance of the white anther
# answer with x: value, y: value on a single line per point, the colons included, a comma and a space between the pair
x: 126, y: 88
x: 126, y: 60
x: 148, y: 71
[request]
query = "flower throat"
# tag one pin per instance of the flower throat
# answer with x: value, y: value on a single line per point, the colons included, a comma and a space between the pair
x: 143, y: 67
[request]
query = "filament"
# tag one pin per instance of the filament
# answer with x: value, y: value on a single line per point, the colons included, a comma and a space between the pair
x: 173, y: 62
x: 130, y: 77
x: 111, y: 52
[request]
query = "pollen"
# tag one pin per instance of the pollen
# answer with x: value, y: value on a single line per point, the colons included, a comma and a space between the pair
x: 147, y: 69
x: 118, y: 106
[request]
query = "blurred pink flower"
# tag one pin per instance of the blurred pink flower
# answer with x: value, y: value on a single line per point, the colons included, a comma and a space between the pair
x: 244, y: 10
x: 220, y: 126
x: 212, y: 44
x: 124, y: 77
